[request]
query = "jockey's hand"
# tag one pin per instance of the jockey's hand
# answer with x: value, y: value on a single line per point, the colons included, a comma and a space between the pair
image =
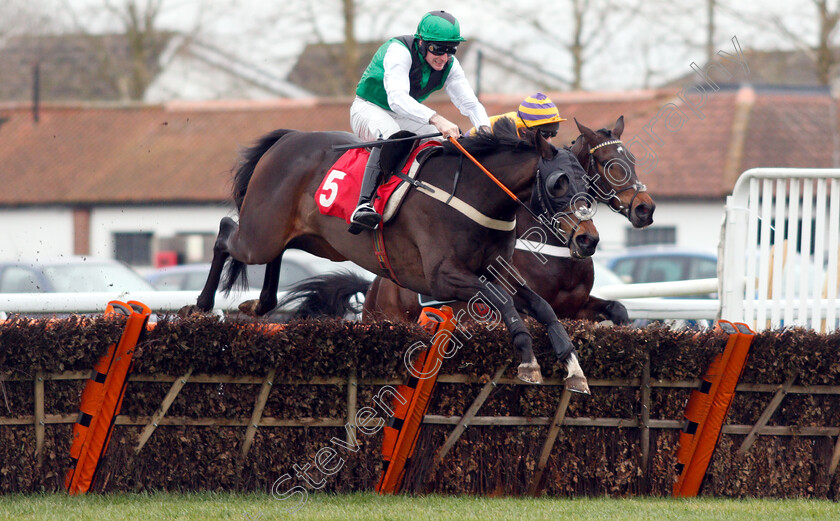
x: 486, y: 129
x: 445, y: 127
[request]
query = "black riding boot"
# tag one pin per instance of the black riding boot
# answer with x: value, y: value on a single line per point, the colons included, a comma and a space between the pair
x: 364, y: 216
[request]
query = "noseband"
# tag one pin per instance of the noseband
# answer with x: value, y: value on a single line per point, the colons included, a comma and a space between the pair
x: 637, y: 187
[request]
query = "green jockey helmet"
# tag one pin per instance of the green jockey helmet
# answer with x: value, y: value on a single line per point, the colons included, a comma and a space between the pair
x: 439, y: 26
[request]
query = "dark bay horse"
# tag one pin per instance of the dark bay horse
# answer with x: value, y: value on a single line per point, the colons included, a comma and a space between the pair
x: 433, y: 248
x: 565, y: 283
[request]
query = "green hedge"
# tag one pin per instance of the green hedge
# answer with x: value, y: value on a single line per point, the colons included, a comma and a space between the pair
x: 486, y: 460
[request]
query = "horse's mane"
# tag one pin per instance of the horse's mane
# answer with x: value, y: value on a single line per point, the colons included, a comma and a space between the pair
x: 504, y: 137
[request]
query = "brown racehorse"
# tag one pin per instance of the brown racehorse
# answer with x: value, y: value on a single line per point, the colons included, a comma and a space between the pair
x: 562, y: 281
x: 434, y: 248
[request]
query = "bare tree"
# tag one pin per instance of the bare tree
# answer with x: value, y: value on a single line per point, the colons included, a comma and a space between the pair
x: 582, y: 28
x: 18, y: 17
x: 683, y: 27
x: 145, y: 41
x: 339, y: 61
x: 145, y: 38
x: 351, y: 49
x: 812, y: 30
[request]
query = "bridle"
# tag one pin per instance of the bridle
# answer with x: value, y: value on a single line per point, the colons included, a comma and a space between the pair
x: 592, y: 169
x: 545, y: 205
x: 547, y: 208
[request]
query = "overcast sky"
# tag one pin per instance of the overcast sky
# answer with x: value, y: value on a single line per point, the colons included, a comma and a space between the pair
x: 665, y: 40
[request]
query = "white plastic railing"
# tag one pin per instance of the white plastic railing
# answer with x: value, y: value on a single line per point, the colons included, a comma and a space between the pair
x: 679, y: 288
x: 783, y: 284
x: 158, y: 301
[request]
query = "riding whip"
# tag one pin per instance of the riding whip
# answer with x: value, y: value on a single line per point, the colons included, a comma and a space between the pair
x: 380, y: 142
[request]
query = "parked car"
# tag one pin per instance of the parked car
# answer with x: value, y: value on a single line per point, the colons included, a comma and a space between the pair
x: 296, y: 266
x: 605, y: 277
x: 663, y: 264
x: 74, y: 274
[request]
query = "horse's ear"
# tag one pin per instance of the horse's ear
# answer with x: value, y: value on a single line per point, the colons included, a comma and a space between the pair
x: 587, y: 132
x: 543, y: 146
x: 619, y: 127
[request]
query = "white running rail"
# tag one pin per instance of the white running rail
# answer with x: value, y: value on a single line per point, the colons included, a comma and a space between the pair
x: 159, y: 301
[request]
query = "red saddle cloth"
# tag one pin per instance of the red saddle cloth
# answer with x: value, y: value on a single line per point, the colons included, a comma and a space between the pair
x: 339, y: 190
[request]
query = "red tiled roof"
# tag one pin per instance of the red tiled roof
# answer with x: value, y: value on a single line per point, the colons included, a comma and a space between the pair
x: 793, y: 130
x: 184, y: 152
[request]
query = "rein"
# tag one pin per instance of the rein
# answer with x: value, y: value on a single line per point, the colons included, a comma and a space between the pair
x: 637, y: 186
x: 492, y: 177
x: 545, y: 207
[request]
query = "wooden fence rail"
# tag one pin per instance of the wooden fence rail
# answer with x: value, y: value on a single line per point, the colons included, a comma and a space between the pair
x: 39, y: 419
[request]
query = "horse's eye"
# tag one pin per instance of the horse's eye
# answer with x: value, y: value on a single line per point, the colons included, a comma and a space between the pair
x: 557, y: 184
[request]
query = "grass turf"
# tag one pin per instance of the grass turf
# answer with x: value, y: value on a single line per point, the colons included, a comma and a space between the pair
x: 368, y: 506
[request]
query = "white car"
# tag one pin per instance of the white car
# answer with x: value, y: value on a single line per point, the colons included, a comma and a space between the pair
x: 73, y: 274
x: 296, y: 266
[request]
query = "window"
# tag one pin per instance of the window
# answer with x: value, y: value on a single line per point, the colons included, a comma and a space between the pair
x: 702, y: 269
x: 19, y: 280
x: 133, y: 248
x: 651, y: 235
x: 624, y: 269
x: 660, y: 269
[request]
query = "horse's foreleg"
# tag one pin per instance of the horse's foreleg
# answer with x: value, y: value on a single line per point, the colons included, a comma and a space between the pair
x: 268, y: 294
x: 460, y: 284
x: 371, y: 306
x: 527, y: 301
x: 207, y: 297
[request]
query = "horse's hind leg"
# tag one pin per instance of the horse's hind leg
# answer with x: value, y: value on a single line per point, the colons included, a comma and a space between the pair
x: 597, y: 309
x: 527, y: 301
x: 268, y: 295
x: 207, y: 297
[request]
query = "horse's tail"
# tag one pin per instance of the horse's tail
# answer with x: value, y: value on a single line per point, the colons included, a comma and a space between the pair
x: 235, y: 273
x: 328, y: 295
x: 248, y: 161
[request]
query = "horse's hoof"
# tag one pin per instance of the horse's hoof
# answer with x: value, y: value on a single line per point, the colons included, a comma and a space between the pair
x: 530, y: 373
x: 577, y: 384
x: 186, y: 311
x: 249, y: 307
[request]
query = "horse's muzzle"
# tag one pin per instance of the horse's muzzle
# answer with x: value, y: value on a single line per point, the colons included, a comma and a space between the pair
x: 642, y: 214
x: 584, y: 245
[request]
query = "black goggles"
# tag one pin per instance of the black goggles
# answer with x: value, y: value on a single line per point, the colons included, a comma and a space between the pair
x: 548, y: 133
x: 439, y: 49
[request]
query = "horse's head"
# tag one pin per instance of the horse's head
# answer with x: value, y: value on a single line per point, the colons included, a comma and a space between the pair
x: 561, y: 198
x: 554, y: 181
x: 611, y: 173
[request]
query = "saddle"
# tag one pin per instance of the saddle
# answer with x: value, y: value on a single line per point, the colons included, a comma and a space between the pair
x: 339, y: 190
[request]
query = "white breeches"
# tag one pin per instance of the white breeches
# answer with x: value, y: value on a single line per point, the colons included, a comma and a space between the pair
x: 370, y: 121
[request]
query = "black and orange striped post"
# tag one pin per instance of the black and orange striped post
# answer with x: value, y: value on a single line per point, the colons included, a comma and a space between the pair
x: 403, y: 429
x: 102, y: 398
x: 707, y: 408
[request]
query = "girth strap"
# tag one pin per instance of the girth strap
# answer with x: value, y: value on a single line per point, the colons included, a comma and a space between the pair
x: 382, y: 254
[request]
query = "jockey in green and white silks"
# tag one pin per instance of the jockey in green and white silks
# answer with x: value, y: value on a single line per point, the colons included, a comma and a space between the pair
x: 402, y: 74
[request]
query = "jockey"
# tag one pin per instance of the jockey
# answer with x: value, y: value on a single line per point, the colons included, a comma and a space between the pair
x: 402, y: 74
x: 537, y: 112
